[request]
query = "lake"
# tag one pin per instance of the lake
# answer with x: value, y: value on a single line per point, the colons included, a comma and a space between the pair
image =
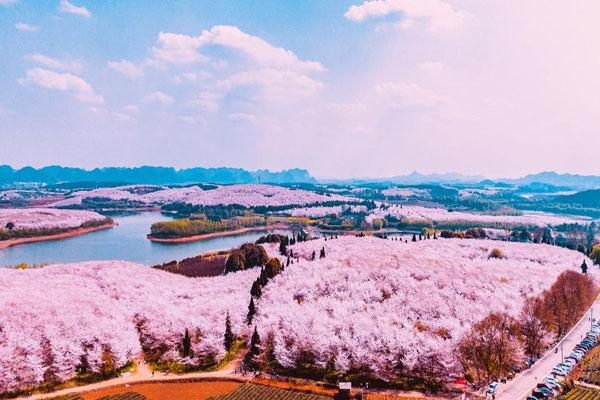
x: 126, y: 241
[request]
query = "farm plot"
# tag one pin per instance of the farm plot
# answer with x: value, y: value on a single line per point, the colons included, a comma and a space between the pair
x: 249, y: 391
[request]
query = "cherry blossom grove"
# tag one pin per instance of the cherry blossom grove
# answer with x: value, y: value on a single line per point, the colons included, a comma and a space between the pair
x: 245, y: 195
x: 322, y: 211
x: 52, y: 316
x: 368, y: 300
x: 371, y: 299
x: 38, y: 218
x: 439, y: 214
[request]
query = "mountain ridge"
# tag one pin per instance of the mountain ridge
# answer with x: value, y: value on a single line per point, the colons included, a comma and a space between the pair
x: 150, y: 175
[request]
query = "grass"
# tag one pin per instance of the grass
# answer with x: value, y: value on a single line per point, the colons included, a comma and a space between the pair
x: 79, y: 380
x: 178, y: 368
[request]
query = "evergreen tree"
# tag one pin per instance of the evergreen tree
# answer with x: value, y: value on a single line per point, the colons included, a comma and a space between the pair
x: 186, y: 345
x: 50, y: 372
x: 251, y: 312
x: 84, y: 365
x: 251, y: 358
x: 229, y: 338
x: 282, y: 248
x: 414, y: 238
x: 288, y: 261
x: 584, y: 267
x: 256, y: 290
x: 264, y: 277
x: 322, y: 255
x: 434, y: 235
x: 314, y: 255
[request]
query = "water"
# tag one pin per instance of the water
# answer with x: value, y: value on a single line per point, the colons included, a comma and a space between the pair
x: 126, y: 241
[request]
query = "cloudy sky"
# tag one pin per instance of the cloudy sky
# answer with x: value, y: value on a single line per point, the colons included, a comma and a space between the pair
x: 342, y: 88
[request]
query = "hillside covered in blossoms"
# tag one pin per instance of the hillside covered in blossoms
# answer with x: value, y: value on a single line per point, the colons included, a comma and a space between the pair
x: 45, y: 218
x: 359, y: 306
x: 248, y: 195
x: 370, y: 300
x: 55, y: 319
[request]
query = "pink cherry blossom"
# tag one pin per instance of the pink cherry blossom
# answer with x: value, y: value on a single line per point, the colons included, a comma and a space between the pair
x: 39, y: 218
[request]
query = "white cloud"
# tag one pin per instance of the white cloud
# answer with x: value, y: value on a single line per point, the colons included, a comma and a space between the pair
x: 67, y: 7
x: 192, y: 120
x: 264, y: 123
x: 275, y: 84
x: 176, y: 49
x: 55, y: 63
x: 439, y: 14
x: 179, y: 49
x: 127, y: 68
x: 8, y: 2
x: 121, y: 117
x: 80, y: 89
x: 192, y: 77
x: 207, y: 100
x: 243, y: 117
x: 23, y: 27
x: 258, y: 49
x: 159, y: 97
x: 432, y: 67
x: 405, y: 95
x: 131, y: 109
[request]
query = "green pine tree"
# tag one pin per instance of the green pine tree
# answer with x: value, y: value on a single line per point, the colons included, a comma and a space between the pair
x: 229, y: 338
x: 187, y: 344
x: 251, y: 311
x: 251, y: 358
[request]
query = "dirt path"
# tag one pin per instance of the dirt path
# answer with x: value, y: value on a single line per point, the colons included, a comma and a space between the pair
x: 144, y: 373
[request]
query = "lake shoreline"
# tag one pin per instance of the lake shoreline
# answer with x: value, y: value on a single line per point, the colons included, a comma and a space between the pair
x: 196, y: 238
x: 75, y: 232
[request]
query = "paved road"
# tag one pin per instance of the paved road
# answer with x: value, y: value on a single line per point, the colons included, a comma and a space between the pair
x: 520, y: 387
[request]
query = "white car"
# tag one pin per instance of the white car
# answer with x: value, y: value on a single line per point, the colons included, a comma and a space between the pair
x: 493, y: 387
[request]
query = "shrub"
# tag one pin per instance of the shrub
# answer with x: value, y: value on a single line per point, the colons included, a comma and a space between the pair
x: 496, y: 253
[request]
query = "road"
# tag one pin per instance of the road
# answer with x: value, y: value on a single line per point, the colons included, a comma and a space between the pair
x: 522, y: 385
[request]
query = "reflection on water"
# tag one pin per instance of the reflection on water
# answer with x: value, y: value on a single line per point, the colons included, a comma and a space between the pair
x: 127, y: 241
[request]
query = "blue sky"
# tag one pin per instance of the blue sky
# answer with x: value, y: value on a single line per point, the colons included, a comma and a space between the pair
x: 343, y: 88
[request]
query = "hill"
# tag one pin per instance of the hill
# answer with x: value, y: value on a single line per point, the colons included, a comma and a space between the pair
x: 150, y: 175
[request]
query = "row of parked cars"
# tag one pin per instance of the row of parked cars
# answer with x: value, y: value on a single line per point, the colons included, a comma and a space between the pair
x: 550, y: 386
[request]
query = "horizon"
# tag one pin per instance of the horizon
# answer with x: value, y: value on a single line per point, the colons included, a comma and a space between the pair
x: 319, y: 178
x: 369, y: 88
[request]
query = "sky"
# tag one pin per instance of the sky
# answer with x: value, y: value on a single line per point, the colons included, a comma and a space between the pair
x: 345, y: 89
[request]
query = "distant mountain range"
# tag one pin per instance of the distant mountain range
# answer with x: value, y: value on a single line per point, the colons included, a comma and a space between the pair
x: 573, y: 181
x: 414, y: 178
x: 224, y: 175
x: 543, y: 181
x: 150, y: 175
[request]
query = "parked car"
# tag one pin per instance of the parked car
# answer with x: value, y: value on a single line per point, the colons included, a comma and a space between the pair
x: 492, y: 388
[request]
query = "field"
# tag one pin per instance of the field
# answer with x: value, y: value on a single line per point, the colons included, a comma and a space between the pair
x: 157, y: 391
x: 170, y: 391
x: 580, y: 393
x: 250, y: 391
